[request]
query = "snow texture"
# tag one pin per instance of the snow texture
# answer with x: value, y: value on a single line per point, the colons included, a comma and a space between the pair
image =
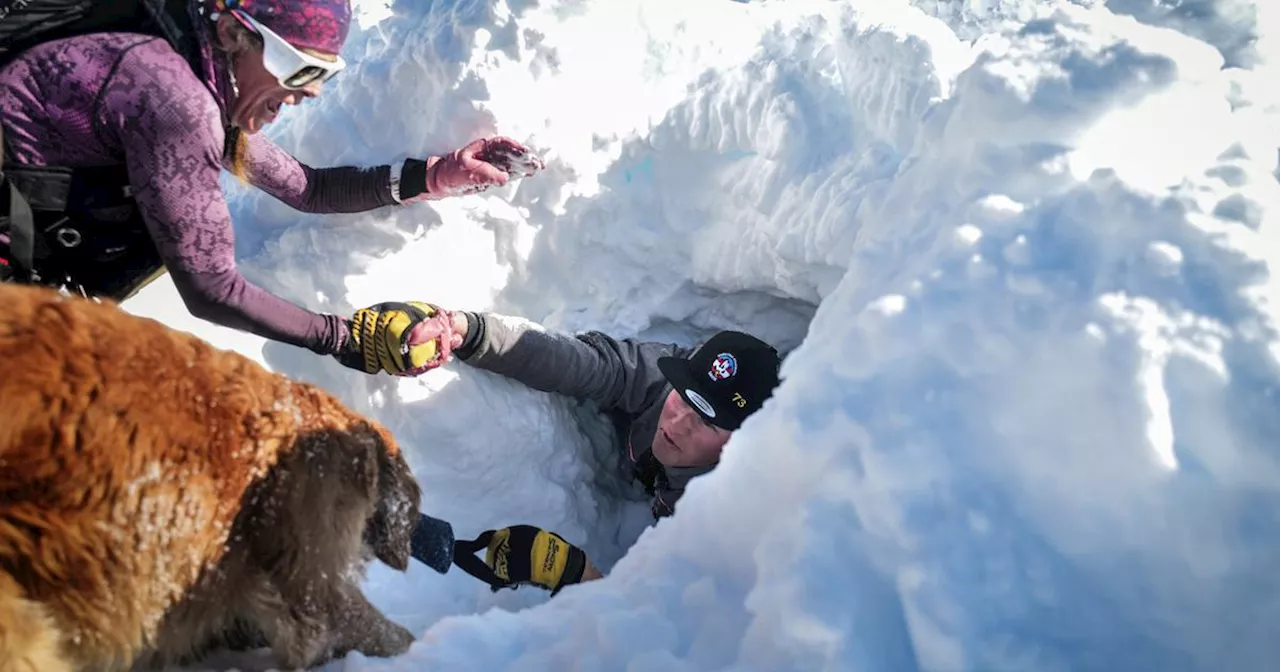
x: 1020, y: 256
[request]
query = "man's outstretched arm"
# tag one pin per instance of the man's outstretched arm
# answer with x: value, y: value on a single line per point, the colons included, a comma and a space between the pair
x: 615, y: 373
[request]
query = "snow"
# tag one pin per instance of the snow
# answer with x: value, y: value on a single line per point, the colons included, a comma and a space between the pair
x: 1018, y: 253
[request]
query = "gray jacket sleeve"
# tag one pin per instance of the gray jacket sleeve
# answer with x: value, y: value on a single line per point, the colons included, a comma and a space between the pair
x: 619, y: 374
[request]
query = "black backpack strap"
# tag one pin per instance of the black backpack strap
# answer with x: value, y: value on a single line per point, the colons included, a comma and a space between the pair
x: 27, y: 23
x: 78, y: 226
x: 44, y: 187
x: 173, y: 19
x: 22, y: 234
x: 31, y: 189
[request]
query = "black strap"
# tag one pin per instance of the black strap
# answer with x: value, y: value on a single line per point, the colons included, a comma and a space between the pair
x: 22, y: 234
x: 113, y: 255
x: 174, y: 21
x: 464, y: 556
x: 77, y: 191
x: 177, y: 32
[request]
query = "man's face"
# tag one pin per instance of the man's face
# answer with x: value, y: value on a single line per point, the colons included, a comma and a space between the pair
x: 684, y: 438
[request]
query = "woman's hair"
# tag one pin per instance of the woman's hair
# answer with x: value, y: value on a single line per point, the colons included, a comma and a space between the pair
x: 242, y: 40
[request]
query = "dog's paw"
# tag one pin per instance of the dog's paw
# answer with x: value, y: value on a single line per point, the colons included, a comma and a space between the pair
x: 388, y: 639
x: 379, y: 639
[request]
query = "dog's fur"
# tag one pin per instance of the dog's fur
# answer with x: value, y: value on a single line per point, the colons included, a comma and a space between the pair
x: 160, y: 498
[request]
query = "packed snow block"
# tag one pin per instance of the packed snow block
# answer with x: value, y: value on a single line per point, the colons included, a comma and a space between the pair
x: 161, y: 499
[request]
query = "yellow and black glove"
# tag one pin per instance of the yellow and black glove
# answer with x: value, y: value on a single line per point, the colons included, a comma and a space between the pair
x: 380, y: 339
x: 522, y: 554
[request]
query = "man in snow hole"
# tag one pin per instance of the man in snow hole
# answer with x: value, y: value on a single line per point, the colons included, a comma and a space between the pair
x: 673, y: 409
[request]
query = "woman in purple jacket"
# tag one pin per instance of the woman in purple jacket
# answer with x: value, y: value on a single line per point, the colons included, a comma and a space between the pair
x: 168, y: 126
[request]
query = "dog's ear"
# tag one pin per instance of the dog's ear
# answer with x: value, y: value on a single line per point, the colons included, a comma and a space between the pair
x: 390, y: 530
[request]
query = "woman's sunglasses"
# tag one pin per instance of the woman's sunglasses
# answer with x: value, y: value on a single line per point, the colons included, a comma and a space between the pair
x: 294, y: 68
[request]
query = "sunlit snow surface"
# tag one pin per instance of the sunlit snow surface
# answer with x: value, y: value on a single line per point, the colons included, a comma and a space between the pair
x: 1033, y: 423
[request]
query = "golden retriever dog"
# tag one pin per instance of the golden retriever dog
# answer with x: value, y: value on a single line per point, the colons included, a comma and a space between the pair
x: 161, y: 498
